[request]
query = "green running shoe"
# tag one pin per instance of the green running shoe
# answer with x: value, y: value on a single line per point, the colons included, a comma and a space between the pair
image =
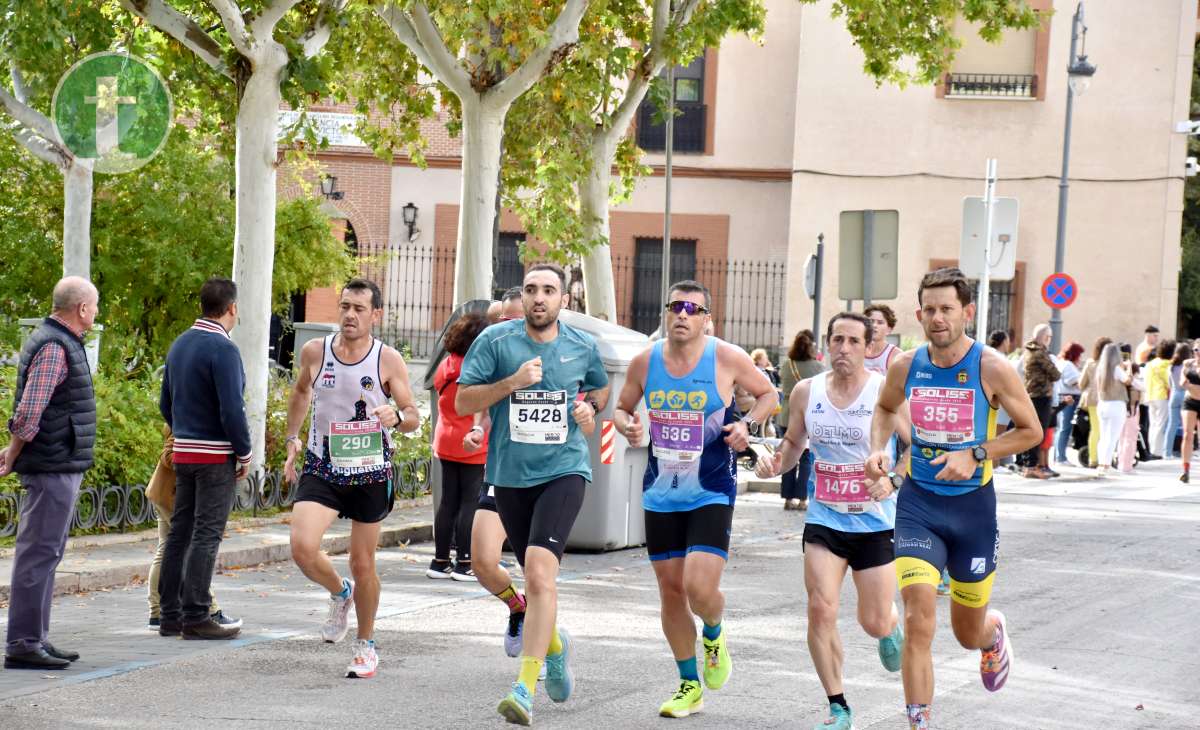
x: 687, y: 700
x: 717, y: 664
x: 891, y: 647
x: 839, y: 719
x: 517, y: 707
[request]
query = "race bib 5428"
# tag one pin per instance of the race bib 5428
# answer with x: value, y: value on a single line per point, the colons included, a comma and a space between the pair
x: 538, y: 416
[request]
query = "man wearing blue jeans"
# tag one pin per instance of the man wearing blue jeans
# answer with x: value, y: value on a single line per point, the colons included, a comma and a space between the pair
x: 201, y: 401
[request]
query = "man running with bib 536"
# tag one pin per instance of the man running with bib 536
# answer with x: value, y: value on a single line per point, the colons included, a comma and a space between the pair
x: 850, y: 519
x: 946, y: 512
x: 690, y: 483
x: 528, y: 374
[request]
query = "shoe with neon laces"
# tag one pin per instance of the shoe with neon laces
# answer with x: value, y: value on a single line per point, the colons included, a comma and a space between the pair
x: 337, y: 623
x: 717, y: 663
x: 365, y: 660
x: 996, y: 662
x: 687, y: 700
x: 514, y: 635
x: 517, y: 707
x: 839, y: 719
x: 891, y: 648
x: 560, y: 680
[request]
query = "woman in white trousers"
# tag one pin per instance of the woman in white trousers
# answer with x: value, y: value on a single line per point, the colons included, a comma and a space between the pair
x: 1113, y: 377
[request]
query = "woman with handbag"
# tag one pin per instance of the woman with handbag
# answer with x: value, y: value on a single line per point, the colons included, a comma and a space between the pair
x: 801, y: 364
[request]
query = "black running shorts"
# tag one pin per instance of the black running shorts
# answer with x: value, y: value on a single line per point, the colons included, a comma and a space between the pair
x: 366, y: 503
x: 675, y: 534
x: 541, y: 515
x: 862, y: 550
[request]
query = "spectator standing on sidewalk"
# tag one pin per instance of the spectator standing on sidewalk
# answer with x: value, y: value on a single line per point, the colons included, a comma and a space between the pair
x: 1113, y: 380
x: 462, y: 469
x: 202, y: 402
x: 1183, y: 353
x: 801, y: 364
x: 1069, y: 394
x: 161, y: 493
x: 53, y: 429
x: 1040, y: 375
x: 1089, y: 384
x: 1158, y: 395
x: 1145, y: 349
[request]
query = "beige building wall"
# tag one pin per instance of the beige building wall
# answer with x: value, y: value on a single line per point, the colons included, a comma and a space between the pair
x: 858, y: 146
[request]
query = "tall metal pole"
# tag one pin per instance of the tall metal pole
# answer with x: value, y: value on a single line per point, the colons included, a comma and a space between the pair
x: 817, y: 289
x: 985, y: 281
x: 1060, y: 241
x: 666, y: 245
x: 868, y: 270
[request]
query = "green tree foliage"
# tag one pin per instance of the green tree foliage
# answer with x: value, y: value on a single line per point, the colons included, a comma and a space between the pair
x: 157, y: 234
x: 1189, y: 274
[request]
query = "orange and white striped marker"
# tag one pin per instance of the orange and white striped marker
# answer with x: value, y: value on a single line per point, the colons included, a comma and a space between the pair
x: 608, y: 442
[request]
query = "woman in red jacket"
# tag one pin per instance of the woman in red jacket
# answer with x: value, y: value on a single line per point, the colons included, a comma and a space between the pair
x: 462, y: 469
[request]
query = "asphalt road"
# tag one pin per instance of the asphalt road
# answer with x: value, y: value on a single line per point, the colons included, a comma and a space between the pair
x: 1099, y: 581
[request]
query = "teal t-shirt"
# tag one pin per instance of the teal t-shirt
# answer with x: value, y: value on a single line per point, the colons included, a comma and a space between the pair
x: 534, y: 438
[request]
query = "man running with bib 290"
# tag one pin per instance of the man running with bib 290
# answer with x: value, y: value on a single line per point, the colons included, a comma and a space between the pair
x: 688, y: 380
x: 528, y: 373
x: 946, y: 513
x: 850, y: 519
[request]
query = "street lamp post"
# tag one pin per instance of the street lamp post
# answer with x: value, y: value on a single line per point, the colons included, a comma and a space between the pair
x: 1079, y: 75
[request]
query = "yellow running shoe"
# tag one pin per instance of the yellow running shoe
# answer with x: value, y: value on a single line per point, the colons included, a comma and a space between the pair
x: 717, y: 664
x: 687, y: 700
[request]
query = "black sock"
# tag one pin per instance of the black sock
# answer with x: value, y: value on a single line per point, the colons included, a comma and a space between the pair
x: 840, y: 699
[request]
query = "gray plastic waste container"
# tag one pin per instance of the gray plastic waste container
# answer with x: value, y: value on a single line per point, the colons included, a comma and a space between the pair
x: 611, y: 517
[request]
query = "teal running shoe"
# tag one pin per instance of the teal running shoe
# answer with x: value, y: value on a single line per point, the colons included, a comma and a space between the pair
x: 560, y: 680
x: 891, y: 647
x: 839, y: 719
x: 517, y: 707
x: 943, y: 588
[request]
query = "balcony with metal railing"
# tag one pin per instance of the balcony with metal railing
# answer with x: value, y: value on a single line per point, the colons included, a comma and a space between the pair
x: 990, y: 86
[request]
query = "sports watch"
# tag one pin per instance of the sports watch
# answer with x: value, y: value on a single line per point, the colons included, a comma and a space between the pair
x: 752, y: 426
x: 979, y: 454
x: 896, y: 479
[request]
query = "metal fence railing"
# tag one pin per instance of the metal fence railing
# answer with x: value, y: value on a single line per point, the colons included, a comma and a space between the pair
x: 1017, y: 85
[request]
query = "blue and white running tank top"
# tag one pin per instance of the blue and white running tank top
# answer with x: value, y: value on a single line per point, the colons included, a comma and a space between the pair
x: 690, y: 464
x: 840, y: 441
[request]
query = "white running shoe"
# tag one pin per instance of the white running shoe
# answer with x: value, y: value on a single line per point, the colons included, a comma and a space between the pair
x: 365, y: 660
x: 338, y: 622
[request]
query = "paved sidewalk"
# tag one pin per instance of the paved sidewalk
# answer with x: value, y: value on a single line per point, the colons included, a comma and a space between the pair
x: 94, y: 562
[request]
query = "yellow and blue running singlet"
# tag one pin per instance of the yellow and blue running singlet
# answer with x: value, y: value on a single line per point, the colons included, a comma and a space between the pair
x: 948, y: 524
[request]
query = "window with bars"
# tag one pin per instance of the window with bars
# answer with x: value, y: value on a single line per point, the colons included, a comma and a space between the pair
x: 690, y: 120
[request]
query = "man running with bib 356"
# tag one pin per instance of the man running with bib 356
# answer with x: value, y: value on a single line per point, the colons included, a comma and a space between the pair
x: 528, y: 373
x: 687, y: 380
x: 849, y: 522
x: 946, y: 512
x: 347, y: 379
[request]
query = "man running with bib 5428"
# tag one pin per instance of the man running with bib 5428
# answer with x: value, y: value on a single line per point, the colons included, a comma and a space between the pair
x: 946, y: 512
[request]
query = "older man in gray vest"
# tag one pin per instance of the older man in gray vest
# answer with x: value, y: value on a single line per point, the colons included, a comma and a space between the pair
x: 53, y: 431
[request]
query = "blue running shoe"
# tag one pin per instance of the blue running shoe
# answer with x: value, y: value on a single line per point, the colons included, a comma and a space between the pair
x: 943, y: 588
x: 513, y: 637
x: 891, y: 647
x: 839, y: 719
x: 517, y: 707
x: 560, y: 680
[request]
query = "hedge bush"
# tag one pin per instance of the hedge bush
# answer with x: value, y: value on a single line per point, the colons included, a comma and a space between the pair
x: 129, y: 428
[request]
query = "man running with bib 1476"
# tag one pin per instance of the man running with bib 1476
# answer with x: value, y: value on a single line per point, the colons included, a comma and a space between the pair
x: 850, y: 519
x: 527, y: 373
x: 946, y: 512
x: 347, y: 379
x: 687, y: 380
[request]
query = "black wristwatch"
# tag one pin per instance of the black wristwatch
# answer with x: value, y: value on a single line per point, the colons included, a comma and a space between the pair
x: 595, y: 408
x: 752, y: 426
x: 979, y: 454
x: 896, y: 479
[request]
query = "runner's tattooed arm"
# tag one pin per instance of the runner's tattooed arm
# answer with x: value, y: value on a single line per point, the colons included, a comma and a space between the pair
x: 789, y: 451
x: 395, y: 376
x: 625, y: 417
x: 887, y: 418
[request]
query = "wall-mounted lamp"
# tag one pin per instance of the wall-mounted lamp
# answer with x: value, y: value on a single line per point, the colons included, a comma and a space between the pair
x: 329, y: 188
x: 410, y: 220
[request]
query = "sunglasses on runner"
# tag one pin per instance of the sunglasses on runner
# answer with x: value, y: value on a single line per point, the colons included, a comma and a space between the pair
x: 679, y: 307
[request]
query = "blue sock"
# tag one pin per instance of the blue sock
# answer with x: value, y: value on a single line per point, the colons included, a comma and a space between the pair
x: 687, y: 669
x: 345, y: 590
x: 712, y: 632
